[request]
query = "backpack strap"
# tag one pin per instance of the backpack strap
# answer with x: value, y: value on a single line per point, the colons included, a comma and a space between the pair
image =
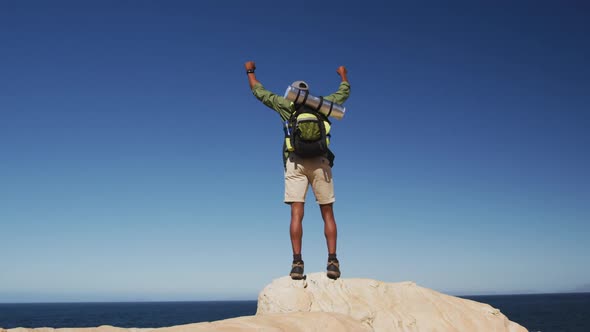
x: 323, y: 136
x: 298, y: 105
x: 289, y: 127
x: 320, y: 104
x: 331, y: 107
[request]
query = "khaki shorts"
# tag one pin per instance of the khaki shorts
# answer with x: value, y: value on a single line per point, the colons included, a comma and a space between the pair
x: 300, y: 172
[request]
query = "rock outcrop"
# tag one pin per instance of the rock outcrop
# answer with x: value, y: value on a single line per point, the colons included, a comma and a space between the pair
x: 380, y: 306
x: 346, y: 305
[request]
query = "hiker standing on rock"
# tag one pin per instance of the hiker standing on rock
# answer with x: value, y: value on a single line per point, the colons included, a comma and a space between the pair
x: 307, y: 160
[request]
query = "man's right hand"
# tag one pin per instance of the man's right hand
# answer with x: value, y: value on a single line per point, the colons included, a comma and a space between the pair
x: 250, y: 65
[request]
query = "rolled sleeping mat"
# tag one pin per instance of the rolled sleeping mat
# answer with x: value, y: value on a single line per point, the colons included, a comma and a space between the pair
x: 298, y: 93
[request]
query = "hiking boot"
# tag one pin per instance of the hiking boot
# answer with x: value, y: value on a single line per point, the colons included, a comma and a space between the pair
x: 297, y: 270
x: 333, y: 269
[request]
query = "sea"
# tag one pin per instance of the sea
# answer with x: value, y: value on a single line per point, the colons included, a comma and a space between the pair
x: 538, y: 313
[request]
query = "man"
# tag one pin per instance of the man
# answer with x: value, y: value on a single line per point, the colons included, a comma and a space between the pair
x: 300, y: 172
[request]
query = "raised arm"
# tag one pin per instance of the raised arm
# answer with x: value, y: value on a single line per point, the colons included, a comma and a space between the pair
x: 340, y: 96
x: 272, y: 100
x: 250, y: 68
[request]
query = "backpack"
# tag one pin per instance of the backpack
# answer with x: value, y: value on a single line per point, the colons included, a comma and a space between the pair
x: 307, y: 133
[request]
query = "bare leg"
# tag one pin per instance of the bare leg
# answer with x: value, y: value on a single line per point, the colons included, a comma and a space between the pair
x: 296, y: 228
x: 330, y: 230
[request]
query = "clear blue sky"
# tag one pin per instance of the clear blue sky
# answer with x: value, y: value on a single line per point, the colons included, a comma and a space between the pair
x: 135, y: 164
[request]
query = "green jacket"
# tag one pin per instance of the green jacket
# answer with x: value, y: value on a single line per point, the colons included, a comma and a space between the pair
x: 285, y: 107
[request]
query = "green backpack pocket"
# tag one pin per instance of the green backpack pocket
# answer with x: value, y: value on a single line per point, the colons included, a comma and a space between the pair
x: 308, y: 127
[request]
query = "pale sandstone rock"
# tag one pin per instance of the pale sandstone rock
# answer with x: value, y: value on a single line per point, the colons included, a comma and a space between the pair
x: 380, y: 306
x: 319, y: 304
x: 292, y: 322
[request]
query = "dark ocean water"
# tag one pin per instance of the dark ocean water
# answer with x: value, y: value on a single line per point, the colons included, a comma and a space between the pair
x: 121, y: 314
x: 543, y: 312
